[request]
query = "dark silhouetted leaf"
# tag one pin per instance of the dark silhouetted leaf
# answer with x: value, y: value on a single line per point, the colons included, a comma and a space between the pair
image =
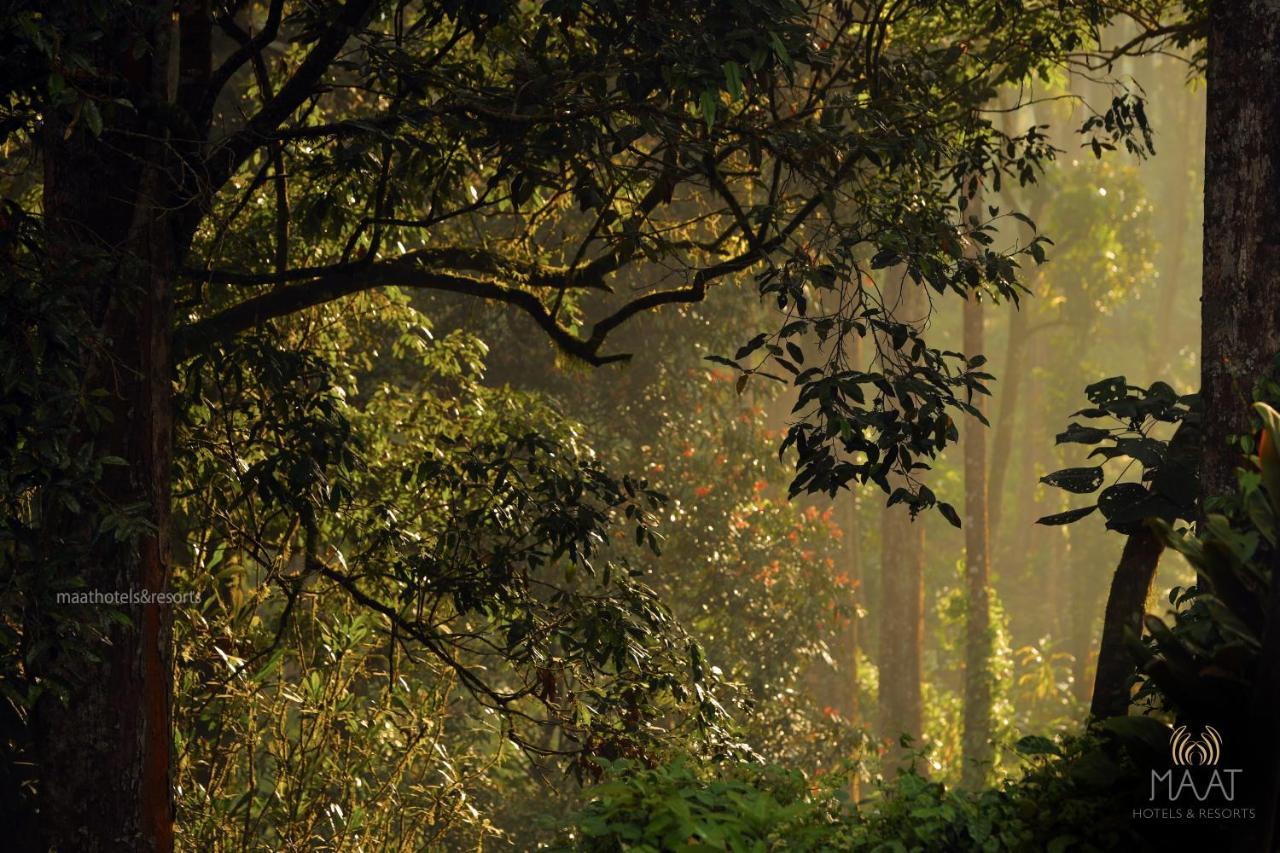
x: 1078, y: 480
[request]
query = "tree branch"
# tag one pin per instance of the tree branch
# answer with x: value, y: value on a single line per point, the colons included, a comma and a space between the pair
x: 347, y: 279
x: 228, y: 155
x: 354, y: 278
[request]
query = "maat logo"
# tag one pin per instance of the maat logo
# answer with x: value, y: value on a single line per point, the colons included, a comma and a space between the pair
x: 1194, y: 787
x: 1188, y: 751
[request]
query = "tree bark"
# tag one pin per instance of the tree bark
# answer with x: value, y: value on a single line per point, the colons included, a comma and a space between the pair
x: 853, y: 638
x: 1240, y: 329
x: 1240, y: 326
x: 853, y: 557
x: 976, y: 746
x: 1011, y: 387
x: 1126, y: 603
x: 900, y: 657
x: 900, y: 708
x: 103, y: 748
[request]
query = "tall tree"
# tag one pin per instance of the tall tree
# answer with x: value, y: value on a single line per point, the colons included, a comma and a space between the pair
x: 901, y: 618
x: 900, y: 708
x: 1240, y: 310
x: 1240, y: 307
x: 976, y: 748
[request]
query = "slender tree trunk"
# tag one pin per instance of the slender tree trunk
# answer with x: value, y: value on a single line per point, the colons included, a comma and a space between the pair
x: 915, y: 619
x: 977, y: 751
x: 1240, y: 321
x: 902, y: 624
x: 1126, y: 603
x: 901, y: 581
x: 1010, y: 388
x: 853, y: 639
x: 853, y: 540
x: 1083, y: 584
x: 853, y: 550
x: 1035, y: 433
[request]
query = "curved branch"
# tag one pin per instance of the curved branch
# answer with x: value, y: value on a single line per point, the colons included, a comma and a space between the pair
x: 347, y: 279
x: 350, y: 279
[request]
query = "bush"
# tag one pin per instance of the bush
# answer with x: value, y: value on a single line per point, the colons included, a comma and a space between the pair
x: 1066, y: 800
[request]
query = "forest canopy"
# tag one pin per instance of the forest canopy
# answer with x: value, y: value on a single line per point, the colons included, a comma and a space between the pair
x: 543, y: 407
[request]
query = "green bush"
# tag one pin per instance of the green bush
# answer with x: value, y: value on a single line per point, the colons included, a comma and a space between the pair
x: 1066, y: 800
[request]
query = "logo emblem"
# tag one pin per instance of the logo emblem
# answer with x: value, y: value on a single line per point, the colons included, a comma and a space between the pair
x: 1203, y: 751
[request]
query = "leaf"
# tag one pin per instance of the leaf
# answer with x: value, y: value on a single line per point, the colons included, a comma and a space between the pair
x: 733, y: 79
x: 1268, y: 458
x: 719, y: 359
x: 1095, y: 770
x: 1077, y: 480
x: 1036, y: 745
x: 1106, y: 390
x: 708, y: 103
x: 1066, y: 517
x: 780, y: 49
x: 1148, y: 731
x: 949, y: 513
x: 1122, y: 496
x: 751, y: 346
x: 1077, y: 434
x: 1149, y: 451
x: 92, y: 117
x: 1062, y: 843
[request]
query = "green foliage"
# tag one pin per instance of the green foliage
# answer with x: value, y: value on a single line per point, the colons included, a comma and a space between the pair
x: 676, y: 807
x: 1064, y: 800
x: 412, y: 577
x: 417, y: 587
x: 1169, y: 483
x: 1203, y: 666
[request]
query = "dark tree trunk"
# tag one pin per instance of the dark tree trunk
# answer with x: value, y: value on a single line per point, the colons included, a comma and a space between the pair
x: 1126, y: 603
x: 976, y: 747
x: 1240, y: 331
x: 103, y: 749
x: 1240, y: 326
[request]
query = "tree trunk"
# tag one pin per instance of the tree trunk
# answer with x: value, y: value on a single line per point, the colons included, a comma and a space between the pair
x: 901, y: 624
x: 853, y: 639
x: 103, y: 749
x: 1240, y: 329
x: 901, y: 580
x: 1010, y: 388
x: 976, y: 746
x: 853, y: 552
x: 1126, y: 603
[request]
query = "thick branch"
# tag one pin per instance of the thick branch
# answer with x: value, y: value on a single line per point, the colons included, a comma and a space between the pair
x: 589, y: 277
x: 348, y: 279
x: 354, y: 278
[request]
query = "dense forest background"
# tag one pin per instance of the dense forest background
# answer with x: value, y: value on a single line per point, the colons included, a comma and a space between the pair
x: 610, y: 425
